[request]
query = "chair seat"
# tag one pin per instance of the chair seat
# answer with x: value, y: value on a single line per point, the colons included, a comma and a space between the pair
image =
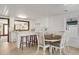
x: 46, y: 46
x: 57, y: 44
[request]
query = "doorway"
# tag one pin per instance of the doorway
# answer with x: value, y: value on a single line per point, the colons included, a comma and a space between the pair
x: 4, y: 29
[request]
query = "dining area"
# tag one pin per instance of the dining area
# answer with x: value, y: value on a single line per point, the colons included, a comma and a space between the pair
x: 40, y: 40
x: 51, y: 44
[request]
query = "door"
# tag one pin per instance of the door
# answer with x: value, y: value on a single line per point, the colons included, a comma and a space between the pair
x: 4, y: 30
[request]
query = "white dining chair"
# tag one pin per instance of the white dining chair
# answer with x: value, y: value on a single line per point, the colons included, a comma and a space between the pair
x: 62, y: 45
x: 54, y: 48
x: 41, y: 42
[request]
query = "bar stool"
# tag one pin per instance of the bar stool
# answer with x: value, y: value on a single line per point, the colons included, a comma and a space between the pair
x: 27, y: 40
x: 31, y: 40
x: 22, y: 41
x: 35, y: 39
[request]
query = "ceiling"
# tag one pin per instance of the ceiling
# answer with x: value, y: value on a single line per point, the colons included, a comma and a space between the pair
x: 36, y: 10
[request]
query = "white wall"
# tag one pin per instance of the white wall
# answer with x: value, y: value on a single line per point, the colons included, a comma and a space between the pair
x: 11, y: 24
x: 41, y: 23
x: 56, y: 23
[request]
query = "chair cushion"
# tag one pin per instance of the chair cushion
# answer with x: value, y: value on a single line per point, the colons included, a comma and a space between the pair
x: 56, y: 44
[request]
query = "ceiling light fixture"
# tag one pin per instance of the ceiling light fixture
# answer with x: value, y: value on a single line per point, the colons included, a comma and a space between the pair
x: 22, y: 16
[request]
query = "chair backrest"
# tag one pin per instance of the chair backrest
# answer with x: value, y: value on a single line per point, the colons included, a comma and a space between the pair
x: 65, y: 42
x: 41, y: 38
x: 64, y: 39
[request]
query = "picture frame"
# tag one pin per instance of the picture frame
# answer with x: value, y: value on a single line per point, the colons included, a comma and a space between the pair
x: 21, y: 25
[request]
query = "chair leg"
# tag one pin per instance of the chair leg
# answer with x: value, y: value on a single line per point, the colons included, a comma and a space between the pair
x: 32, y: 40
x: 60, y: 51
x: 21, y: 43
x: 55, y: 50
x: 37, y: 50
x: 29, y: 44
x: 22, y: 47
x: 44, y: 51
x: 35, y: 40
x: 26, y: 41
x: 50, y: 50
x: 26, y: 44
